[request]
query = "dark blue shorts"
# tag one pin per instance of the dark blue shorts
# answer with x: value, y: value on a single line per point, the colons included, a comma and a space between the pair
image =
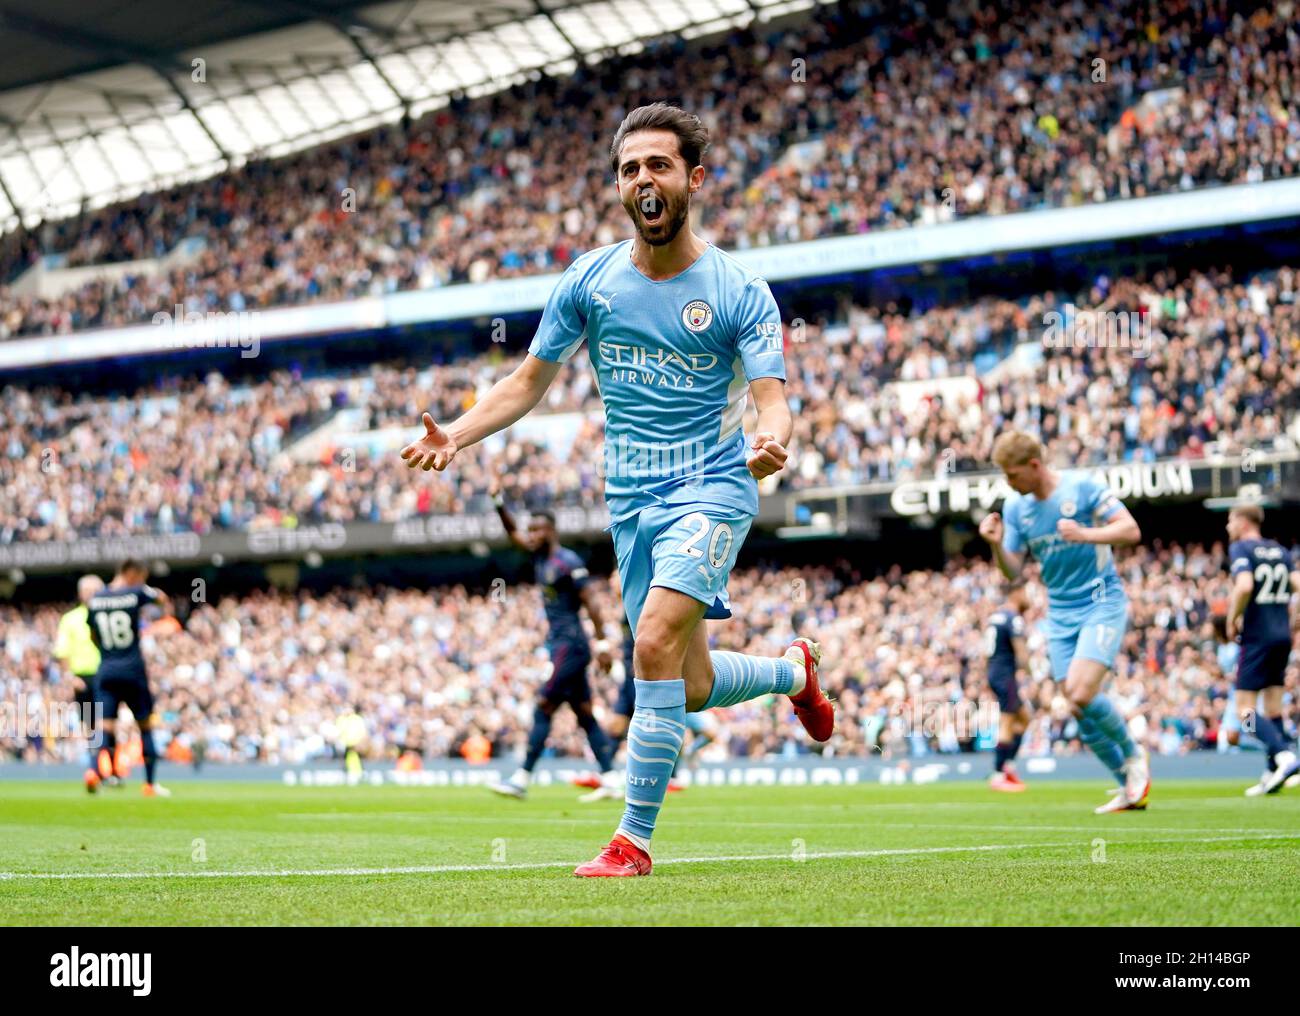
x: 568, y: 680
x: 1007, y: 690
x: 129, y: 691
x: 1262, y: 666
x: 85, y: 699
x: 85, y: 696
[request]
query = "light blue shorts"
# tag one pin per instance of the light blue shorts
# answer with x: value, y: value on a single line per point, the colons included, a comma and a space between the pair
x: 689, y: 547
x: 1093, y: 631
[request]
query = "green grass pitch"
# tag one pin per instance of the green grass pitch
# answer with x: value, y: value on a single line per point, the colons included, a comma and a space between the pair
x: 956, y: 853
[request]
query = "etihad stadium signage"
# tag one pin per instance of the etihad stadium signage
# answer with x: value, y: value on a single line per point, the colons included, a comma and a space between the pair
x: 957, y: 493
x: 1255, y: 475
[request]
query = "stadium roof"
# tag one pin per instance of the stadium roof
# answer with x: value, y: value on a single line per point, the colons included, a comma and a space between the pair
x: 102, y: 101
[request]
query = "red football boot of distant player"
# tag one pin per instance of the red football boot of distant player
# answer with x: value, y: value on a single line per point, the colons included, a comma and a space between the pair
x: 676, y: 786
x: 621, y: 859
x: 91, y: 779
x: 1007, y: 782
x: 589, y: 780
x: 812, y: 707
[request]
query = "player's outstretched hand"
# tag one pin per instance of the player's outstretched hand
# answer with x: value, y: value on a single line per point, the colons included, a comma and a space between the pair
x: 433, y: 451
x: 767, y: 456
x: 991, y: 528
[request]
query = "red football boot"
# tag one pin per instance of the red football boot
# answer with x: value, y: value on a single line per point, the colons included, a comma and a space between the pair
x: 620, y: 859
x: 812, y: 707
x: 589, y: 780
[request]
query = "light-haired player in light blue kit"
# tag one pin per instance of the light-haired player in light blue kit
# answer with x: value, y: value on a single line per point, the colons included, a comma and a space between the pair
x: 678, y: 334
x: 1069, y: 522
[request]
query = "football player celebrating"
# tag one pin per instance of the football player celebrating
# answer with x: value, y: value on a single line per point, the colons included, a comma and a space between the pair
x: 678, y: 333
x: 1069, y: 523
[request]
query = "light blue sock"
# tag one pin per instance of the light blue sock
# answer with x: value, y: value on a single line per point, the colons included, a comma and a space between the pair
x: 654, y: 740
x: 1102, y: 746
x: 737, y: 678
x: 1103, y: 713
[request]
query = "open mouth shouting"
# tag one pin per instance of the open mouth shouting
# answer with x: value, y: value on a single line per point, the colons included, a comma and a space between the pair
x: 652, y: 208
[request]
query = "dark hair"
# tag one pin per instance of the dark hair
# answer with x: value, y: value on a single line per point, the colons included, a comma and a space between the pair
x: 545, y: 514
x: 692, y: 135
x: 132, y: 564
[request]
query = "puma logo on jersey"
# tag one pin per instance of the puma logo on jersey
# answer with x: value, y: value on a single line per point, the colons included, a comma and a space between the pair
x: 605, y: 301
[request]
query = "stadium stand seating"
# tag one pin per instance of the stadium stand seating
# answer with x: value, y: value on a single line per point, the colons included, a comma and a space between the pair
x: 903, y: 119
x: 265, y: 676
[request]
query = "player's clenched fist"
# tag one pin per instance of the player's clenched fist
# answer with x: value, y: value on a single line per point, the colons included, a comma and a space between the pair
x: 766, y: 457
x: 991, y: 528
x: 1070, y: 531
x: 433, y: 451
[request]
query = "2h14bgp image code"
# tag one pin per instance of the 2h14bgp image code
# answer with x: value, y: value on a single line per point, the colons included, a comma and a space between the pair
x: 633, y: 463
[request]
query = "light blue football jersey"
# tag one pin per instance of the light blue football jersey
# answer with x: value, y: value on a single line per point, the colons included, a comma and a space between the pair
x: 1075, y: 574
x: 673, y: 361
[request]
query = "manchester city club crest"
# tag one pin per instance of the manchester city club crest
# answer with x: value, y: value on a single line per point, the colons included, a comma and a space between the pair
x: 697, y: 315
x: 1068, y: 509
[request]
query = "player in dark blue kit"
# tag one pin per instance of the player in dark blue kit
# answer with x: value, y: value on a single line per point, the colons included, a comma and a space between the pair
x: 1004, y: 644
x: 565, y: 591
x: 114, y: 618
x: 1259, y: 616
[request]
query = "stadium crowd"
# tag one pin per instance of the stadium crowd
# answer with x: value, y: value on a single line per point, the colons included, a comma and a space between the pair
x: 1213, y: 366
x: 860, y: 116
x: 266, y: 676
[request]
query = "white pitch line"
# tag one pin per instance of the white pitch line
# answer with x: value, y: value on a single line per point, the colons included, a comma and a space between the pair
x: 440, y: 869
x: 1098, y: 828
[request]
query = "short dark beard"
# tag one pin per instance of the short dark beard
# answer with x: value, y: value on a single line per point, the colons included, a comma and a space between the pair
x: 675, y: 221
